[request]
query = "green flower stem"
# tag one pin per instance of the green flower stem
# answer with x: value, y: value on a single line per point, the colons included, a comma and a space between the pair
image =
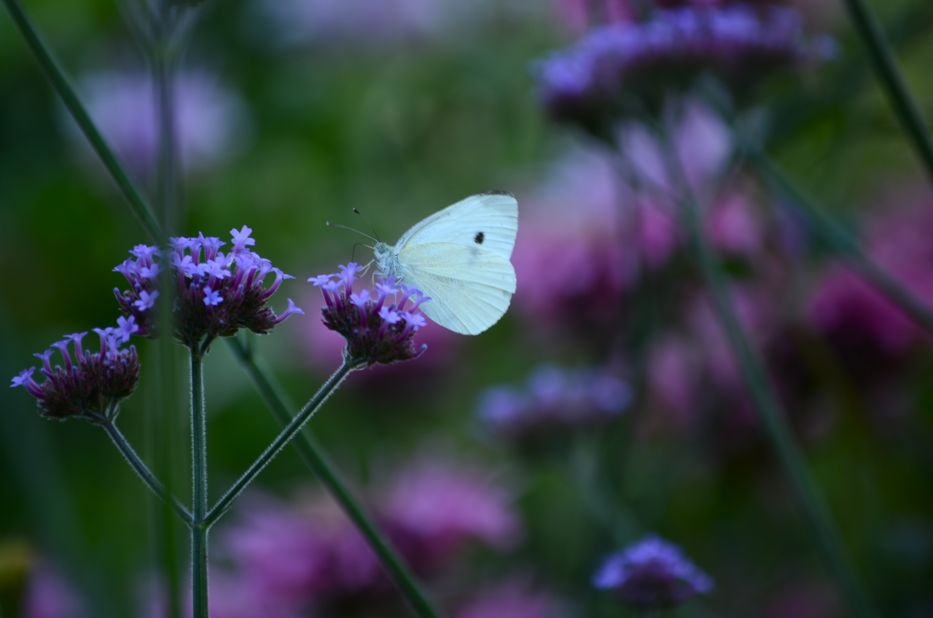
x: 70, y: 98
x: 200, y: 527
x: 317, y: 461
x: 281, y: 441
x: 139, y: 466
x: 765, y: 401
x: 885, y: 65
x: 842, y: 242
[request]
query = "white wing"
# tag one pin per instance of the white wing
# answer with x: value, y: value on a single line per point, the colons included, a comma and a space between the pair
x: 470, y: 286
x: 487, y: 220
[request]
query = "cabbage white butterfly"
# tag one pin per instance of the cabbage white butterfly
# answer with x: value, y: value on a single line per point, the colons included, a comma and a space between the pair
x: 459, y: 256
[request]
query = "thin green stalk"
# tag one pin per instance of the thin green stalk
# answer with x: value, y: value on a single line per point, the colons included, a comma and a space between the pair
x: 200, y: 527
x: 281, y: 441
x: 842, y: 242
x: 70, y: 98
x: 139, y: 466
x: 765, y: 400
x: 319, y: 463
x: 885, y: 65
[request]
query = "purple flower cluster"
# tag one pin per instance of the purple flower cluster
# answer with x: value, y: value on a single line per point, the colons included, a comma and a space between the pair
x: 621, y: 64
x: 378, y: 327
x: 652, y: 574
x: 88, y: 383
x: 306, y: 557
x: 217, y: 293
x: 554, y: 400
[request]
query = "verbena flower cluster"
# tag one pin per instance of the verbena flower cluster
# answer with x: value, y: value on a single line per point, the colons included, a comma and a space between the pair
x: 652, y: 574
x: 617, y: 68
x: 378, y: 327
x: 217, y: 293
x: 554, y: 400
x: 85, y: 383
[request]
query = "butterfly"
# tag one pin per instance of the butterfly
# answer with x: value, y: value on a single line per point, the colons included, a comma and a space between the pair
x: 460, y: 258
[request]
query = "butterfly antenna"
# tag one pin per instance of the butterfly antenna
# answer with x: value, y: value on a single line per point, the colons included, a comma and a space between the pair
x: 351, y: 229
x: 357, y: 212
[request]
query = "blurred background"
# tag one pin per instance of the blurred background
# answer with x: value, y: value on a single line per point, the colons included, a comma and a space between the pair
x: 605, y: 407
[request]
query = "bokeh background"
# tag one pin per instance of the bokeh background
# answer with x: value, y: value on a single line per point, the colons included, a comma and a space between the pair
x: 293, y: 113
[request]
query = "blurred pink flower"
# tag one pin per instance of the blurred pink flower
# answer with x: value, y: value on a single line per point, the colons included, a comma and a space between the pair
x: 50, y: 595
x: 433, y: 507
x: 210, y: 120
x: 514, y: 598
x: 852, y: 313
x: 577, y: 16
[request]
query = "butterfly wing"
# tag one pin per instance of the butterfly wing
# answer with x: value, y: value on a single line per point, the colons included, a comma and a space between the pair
x: 487, y: 220
x: 470, y: 286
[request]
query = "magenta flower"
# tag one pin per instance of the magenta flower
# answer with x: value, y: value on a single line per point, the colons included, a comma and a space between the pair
x: 514, y: 598
x: 50, y: 595
x: 433, y: 508
x: 652, y: 574
x: 86, y: 384
x: 218, y: 293
x: 553, y: 402
x: 377, y: 327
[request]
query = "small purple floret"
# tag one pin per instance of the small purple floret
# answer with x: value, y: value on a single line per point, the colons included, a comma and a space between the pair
x: 652, y: 574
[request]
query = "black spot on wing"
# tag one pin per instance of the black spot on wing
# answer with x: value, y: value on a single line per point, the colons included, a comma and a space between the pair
x: 479, y: 238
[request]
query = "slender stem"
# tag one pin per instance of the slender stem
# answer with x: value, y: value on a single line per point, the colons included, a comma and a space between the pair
x: 200, y: 528
x: 885, y: 65
x: 281, y: 441
x: 70, y: 98
x: 842, y: 242
x: 319, y: 463
x: 765, y: 400
x: 139, y: 466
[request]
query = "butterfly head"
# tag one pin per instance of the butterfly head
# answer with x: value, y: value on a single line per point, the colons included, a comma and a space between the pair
x: 386, y: 260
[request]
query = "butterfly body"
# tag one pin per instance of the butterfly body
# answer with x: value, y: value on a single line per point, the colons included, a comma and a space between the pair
x: 460, y: 258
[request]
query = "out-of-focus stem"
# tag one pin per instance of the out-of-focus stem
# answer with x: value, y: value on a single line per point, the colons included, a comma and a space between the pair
x: 200, y: 527
x: 139, y: 466
x: 761, y: 391
x: 885, y: 65
x: 69, y: 97
x: 842, y: 242
x: 319, y: 463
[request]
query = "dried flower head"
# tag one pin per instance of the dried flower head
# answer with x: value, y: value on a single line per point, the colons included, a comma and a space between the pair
x: 652, y: 574
x: 87, y: 384
x: 217, y: 293
x: 553, y: 401
x: 627, y: 67
x: 378, y: 327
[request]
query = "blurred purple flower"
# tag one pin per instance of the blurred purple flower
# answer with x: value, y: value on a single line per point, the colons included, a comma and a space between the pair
x: 87, y: 384
x: 860, y: 321
x: 652, y: 574
x: 50, y: 595
x: 378, y: 328
x: 553, y: 401
x: 218, y: 293
x: 210, y: 120
x: 616, y: 69
x: 434, y: 507
x: 515, y: 598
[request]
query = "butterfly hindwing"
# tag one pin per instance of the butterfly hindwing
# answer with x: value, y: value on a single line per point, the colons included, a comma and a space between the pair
x: 470, y: 286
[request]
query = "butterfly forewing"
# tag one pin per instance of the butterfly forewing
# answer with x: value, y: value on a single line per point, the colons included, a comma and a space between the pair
x: 488, y: 221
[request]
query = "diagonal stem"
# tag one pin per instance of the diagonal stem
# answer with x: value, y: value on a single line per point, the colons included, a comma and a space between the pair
x: 885, y: 66
x: 200, y: 528
x: 842, y: 242
x: 139, y: 466
x: 69, y: 97
x: 281, y: 441
x: 763, y: 396
x: 319, y: 463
